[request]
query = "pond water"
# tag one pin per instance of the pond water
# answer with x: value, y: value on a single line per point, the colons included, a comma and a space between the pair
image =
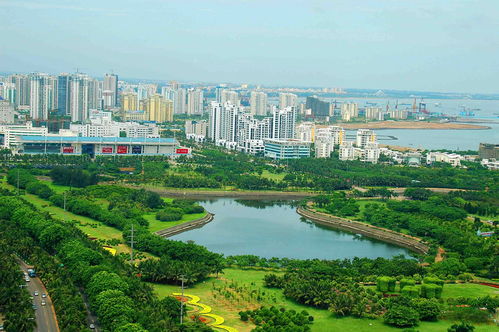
x: 274, y: 229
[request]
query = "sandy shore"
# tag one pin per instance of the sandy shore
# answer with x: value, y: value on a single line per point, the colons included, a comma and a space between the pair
x: 411, y: 125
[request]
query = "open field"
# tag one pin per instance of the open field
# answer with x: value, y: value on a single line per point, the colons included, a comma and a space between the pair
x: 324, y: 320
x: 411, y: 125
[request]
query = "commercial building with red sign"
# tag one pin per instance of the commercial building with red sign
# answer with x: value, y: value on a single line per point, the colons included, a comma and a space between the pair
x: 94, y: 146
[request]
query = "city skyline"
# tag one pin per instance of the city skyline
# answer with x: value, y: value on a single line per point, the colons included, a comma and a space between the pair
x: 429, y: 46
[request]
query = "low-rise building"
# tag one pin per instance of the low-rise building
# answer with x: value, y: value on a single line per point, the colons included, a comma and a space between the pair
x: 347, y: 151
x: 9, y: 134
x: 488, y: 151
x: 442, y: 157
x: 286, y: 149
x: 492, y: 164
x: 93, y: 146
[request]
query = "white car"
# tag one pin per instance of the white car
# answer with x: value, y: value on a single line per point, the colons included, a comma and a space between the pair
x: 92, y: 326
x: 44, y: 303
x: 35, y: 293
x: 44, y: 295
x: 27, y: 279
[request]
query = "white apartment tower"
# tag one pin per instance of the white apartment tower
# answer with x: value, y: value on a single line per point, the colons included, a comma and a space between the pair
x: 258, y: 103
x: 41, y: 96
x: 78, y: 97
x: 229, y: 96
x: 283, y: 123
x: 287, y: 100
x: 110, y: 90
x: 195, y: 101
x: 365, y: 136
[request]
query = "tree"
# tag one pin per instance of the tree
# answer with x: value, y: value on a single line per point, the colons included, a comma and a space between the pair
x: 419, y: 194
x: 401, y: 316
x: 103, y: 281
x: 130, y: 327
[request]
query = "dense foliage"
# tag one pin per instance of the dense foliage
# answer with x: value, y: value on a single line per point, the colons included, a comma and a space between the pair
x: 15, y: 304
x: 120, y: 300
x: 278, y: 320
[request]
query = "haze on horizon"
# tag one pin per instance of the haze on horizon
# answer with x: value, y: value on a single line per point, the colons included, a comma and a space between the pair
x: 385, y: 44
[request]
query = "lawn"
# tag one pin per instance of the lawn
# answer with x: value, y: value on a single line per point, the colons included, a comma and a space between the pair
x: 55, y: 187
x: 278, y: 177
x: 157, y: 225
x: 324, y: 320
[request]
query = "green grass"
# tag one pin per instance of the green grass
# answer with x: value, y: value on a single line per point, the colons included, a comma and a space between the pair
x: 324, y: 320
x: 55, y: 187
x: 157, y: 225
x: 278, y: 177
x: 468, y: 290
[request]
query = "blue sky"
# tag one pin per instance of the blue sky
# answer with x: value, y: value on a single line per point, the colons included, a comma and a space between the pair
x: 437, y: 45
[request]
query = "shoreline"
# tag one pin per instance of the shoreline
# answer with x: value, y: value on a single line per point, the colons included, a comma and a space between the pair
x: 167, y: 232
x: 382, y: 234
x: 413, y: 125
x: 213, y: 194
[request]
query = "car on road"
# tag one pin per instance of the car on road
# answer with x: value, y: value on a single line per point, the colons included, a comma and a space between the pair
x: 27, y: 279
x: 1, y: 327
x: 44, y: 295
x: 44, y: 303
x: 35, y: 307
x: 92, y: 326
x: 35, y: 293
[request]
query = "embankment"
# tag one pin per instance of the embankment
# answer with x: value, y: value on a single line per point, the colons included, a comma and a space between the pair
x: 186, y: 226
x: 378, y: 233
x: 210, y: 194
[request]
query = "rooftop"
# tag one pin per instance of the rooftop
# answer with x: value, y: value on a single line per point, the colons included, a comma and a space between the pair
x: 78, y: 139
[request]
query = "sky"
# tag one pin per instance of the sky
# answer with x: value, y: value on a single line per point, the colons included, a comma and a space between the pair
x: 425, y: 45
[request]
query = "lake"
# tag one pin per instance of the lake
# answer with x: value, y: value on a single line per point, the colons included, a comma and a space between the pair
x: 270, y: 229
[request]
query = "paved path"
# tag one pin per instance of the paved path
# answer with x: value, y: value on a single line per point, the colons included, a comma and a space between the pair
x: 46, y: 320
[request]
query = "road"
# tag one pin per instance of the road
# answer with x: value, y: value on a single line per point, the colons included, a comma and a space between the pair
x: 46, y: 320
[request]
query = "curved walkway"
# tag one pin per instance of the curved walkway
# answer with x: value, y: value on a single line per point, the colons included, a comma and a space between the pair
x: 205, y: 311
x: 378, y: 233
x: 187, y: 226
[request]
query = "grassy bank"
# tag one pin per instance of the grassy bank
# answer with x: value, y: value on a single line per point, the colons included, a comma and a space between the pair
x: 252, y: 280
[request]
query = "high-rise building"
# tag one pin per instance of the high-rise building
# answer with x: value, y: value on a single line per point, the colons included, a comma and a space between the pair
x: 23, y: 86
x: 8, y: 91
x: 180, y: 101
x: 373, y: 113
x: 318, y: 107
x: 349, y: 111
x: 305, y: 132
x: 78, y: 97
x: 42, y: 96
x: 258, y: 103
x: 8, y: 114
x: 63, y: 94
x: 287, y: 100
x: 158, y: 109
x: 94, y: 94
x: 365, y: 136
x: 283, y: 123
x: 110, y: 90
x: 129, y: 102
x: 194, y: 101
x: 218, y: 94
x: 230, y: 96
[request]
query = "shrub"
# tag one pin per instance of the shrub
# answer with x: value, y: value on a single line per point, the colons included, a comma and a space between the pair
x: 406, y: 282
x: 410, y: 291
x: 431, y: 291
x: 462, y: 327
x: 385, y: 284
x: 428, y: 309
x: 401, y: 316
